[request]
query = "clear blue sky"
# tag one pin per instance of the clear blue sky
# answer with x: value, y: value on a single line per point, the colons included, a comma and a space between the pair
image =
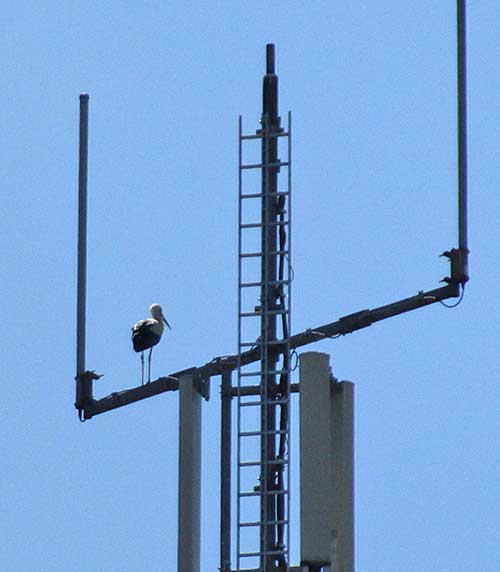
x: 372, y: 89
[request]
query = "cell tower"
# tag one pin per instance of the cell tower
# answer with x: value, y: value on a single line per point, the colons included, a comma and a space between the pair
x: 264, y: 389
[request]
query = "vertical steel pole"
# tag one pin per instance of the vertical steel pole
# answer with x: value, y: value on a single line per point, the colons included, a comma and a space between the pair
x: 225, y: 473
x: 82, y: 235
x: 269, y: 294
x: 462, y: 129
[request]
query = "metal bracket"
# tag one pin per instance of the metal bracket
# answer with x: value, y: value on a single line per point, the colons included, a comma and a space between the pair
x: 202, y: 383
x: 458, y: 258
x: 84, y: 391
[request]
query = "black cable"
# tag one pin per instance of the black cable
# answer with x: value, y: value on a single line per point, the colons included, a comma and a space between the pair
x: 456, y: 303
x: 283, y: 390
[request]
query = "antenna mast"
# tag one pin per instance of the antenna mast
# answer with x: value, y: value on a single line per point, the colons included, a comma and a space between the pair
x: 265, y: 299
x: 264, y: 338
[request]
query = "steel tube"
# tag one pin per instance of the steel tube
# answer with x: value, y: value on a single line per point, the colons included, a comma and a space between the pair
x: 82, y: 234
x: 270, y: 58
x: 270, y: 125
x: 462, y: 125
x: 345, y: 325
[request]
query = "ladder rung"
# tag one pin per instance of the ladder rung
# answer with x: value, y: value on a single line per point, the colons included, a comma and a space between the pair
x: 256, y: 463
x: 249, y: 554
x: 274, y: 165
x: 257, y: 433
x: 250, y: 403
x: 270, y: 283
x: 260, y: 373
x: 291, y: 569
x: 260, y: 254
x: 262, y: 403
x: 246, y: 524
x: 260, y: 195
x: 259, y: 493
x: 267, y: 553
x: 262, y: 134
x: 267, y: 313
x: 250, y: 373
x: 263, y: 224
x: 267, y: 523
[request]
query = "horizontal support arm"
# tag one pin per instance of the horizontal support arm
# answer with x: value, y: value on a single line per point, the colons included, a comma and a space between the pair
x: 363, y: 319
x: 160, y: 385
x: 352, y: 322
x: 345, y: 325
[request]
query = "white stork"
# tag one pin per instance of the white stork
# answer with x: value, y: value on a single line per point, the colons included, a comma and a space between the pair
x: 147, y: 333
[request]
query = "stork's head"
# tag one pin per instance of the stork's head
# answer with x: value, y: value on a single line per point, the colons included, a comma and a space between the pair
x: 157, y: 314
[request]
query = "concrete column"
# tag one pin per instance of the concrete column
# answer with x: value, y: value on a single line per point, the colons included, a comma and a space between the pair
x: 188, y: 558
x: 326, y: 466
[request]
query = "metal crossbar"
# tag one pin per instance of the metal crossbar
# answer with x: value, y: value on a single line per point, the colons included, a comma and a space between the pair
x: 278, y: 164
x: 260, y: 195
x: 260, y: 135
x: 259, y: 493
x: 260, y: 283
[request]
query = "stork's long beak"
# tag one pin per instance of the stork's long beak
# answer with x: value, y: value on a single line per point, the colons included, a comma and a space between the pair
x: 165, y: 320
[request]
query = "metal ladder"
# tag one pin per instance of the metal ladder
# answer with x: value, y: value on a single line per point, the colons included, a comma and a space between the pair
x: 264, y: 296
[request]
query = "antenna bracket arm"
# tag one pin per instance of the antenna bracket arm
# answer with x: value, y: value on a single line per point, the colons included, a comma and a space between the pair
x: 84, y: 393
x: 458, y: 258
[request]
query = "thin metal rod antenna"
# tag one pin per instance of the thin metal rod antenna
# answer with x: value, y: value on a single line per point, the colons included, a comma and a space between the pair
x: 82, y: 235
x: 270, y: 59
x: 462, y: 126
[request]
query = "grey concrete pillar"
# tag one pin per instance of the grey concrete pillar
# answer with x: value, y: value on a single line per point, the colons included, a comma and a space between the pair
x: 326, y: 466
x: 188, y: 559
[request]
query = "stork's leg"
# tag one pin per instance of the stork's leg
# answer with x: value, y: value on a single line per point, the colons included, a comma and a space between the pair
x: 149, y: 364
x: 142, y: 368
